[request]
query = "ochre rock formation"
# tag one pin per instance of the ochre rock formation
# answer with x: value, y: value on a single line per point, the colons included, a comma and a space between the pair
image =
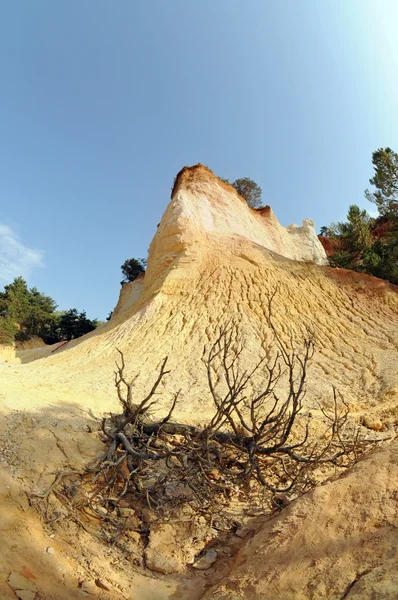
x: 212, y: 260
x: 338, y: 541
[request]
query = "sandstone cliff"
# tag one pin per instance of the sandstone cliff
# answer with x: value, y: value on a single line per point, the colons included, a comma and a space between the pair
x: 212, y: 259
x: 339, y: 541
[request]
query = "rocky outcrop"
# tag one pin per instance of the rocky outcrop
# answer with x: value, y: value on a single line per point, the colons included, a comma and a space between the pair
x: 338, y: 541
x: 205, y: 211
x: 129, y: 293
x: 212, y: 260
x: 202, y: 202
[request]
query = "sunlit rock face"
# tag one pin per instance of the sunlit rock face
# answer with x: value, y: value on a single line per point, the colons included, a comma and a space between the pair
x: 203, y: 203
x: 214, y: 260
x: 206, y: 214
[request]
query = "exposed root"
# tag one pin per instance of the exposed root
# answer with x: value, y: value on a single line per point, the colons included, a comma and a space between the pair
x: 257, y: 440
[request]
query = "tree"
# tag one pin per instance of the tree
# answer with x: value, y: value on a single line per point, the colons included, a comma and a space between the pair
x: 324, y: 231
x: 25, y: 312
x: 249, y: 190
x: 28, y: 308
x: 385, y: 179
x: 358, y: 228
x: 355, y: 231
x: 15, y: 300
x: 41, y: 309
x: 50, y: 331
x: 73, y: 324
x: 132, y: 268
x: 8, y: 330
x: 371, y: 245
x: 381, y: 260
x: 355, y: 237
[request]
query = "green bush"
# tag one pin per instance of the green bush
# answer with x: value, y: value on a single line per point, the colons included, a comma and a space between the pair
x: 132, y: 268
x: 249, y: 190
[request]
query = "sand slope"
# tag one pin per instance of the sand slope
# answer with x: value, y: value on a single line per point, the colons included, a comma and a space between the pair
x: 338, y: 541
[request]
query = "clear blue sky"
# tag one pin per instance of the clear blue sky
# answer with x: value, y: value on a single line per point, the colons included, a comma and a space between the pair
x: 103, y: 102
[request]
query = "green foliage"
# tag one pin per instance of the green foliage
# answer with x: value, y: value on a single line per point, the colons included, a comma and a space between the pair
x: 355, y: 232
x: 325, y: 231
x: 25, y: 312
x: 385, y: 179
x: 132, y: 268
x: 8, y: 330
x: 343, y: 259
x: 28, y: 309
x: 51, y: 332
x: 357, y: 229
x: 249, y: 190
x: 73, y: 324
x: 360, y: 250
x: 15, y: 301
x: 381, y: 260
x: 41, y: 310
x: 371, y: 245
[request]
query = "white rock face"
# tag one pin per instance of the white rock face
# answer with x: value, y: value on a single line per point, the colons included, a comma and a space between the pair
x: 207, y: 217
x: 129, y: 293
x: 202, y: 205
x: 216, y: 210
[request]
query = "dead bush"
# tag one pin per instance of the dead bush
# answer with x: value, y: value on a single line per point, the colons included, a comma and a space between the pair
x: 259, y: 438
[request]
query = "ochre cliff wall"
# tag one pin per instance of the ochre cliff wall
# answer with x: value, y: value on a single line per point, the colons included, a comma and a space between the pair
x: 215, y: 208
x: 214, y: 259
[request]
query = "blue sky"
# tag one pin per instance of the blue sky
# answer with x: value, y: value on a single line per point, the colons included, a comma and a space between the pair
x: 102, y: 103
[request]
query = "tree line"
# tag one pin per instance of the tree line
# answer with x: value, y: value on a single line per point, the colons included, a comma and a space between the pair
x: 25, y: 312
x: 366, y: 244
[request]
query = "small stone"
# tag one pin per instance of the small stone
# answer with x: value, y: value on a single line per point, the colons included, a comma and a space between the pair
x: 179, y: 490
x: 89, y: 587
x: 25, y: 594
x: 23, y: 587
x: 18, y: 582
x: 134, y: 536
x: 149, y: 483
x: 132, y: 522
x: 102, y: 510
x: 223, y: 552
x: 205, y: 561
x: 175, y: 462
x: 50, y: 550
x: 254, y: 512
x: 243, y: 531
x: 162, y: 553
x: 148, y: 515
x: 372, y: 422
x: 125, y: 513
